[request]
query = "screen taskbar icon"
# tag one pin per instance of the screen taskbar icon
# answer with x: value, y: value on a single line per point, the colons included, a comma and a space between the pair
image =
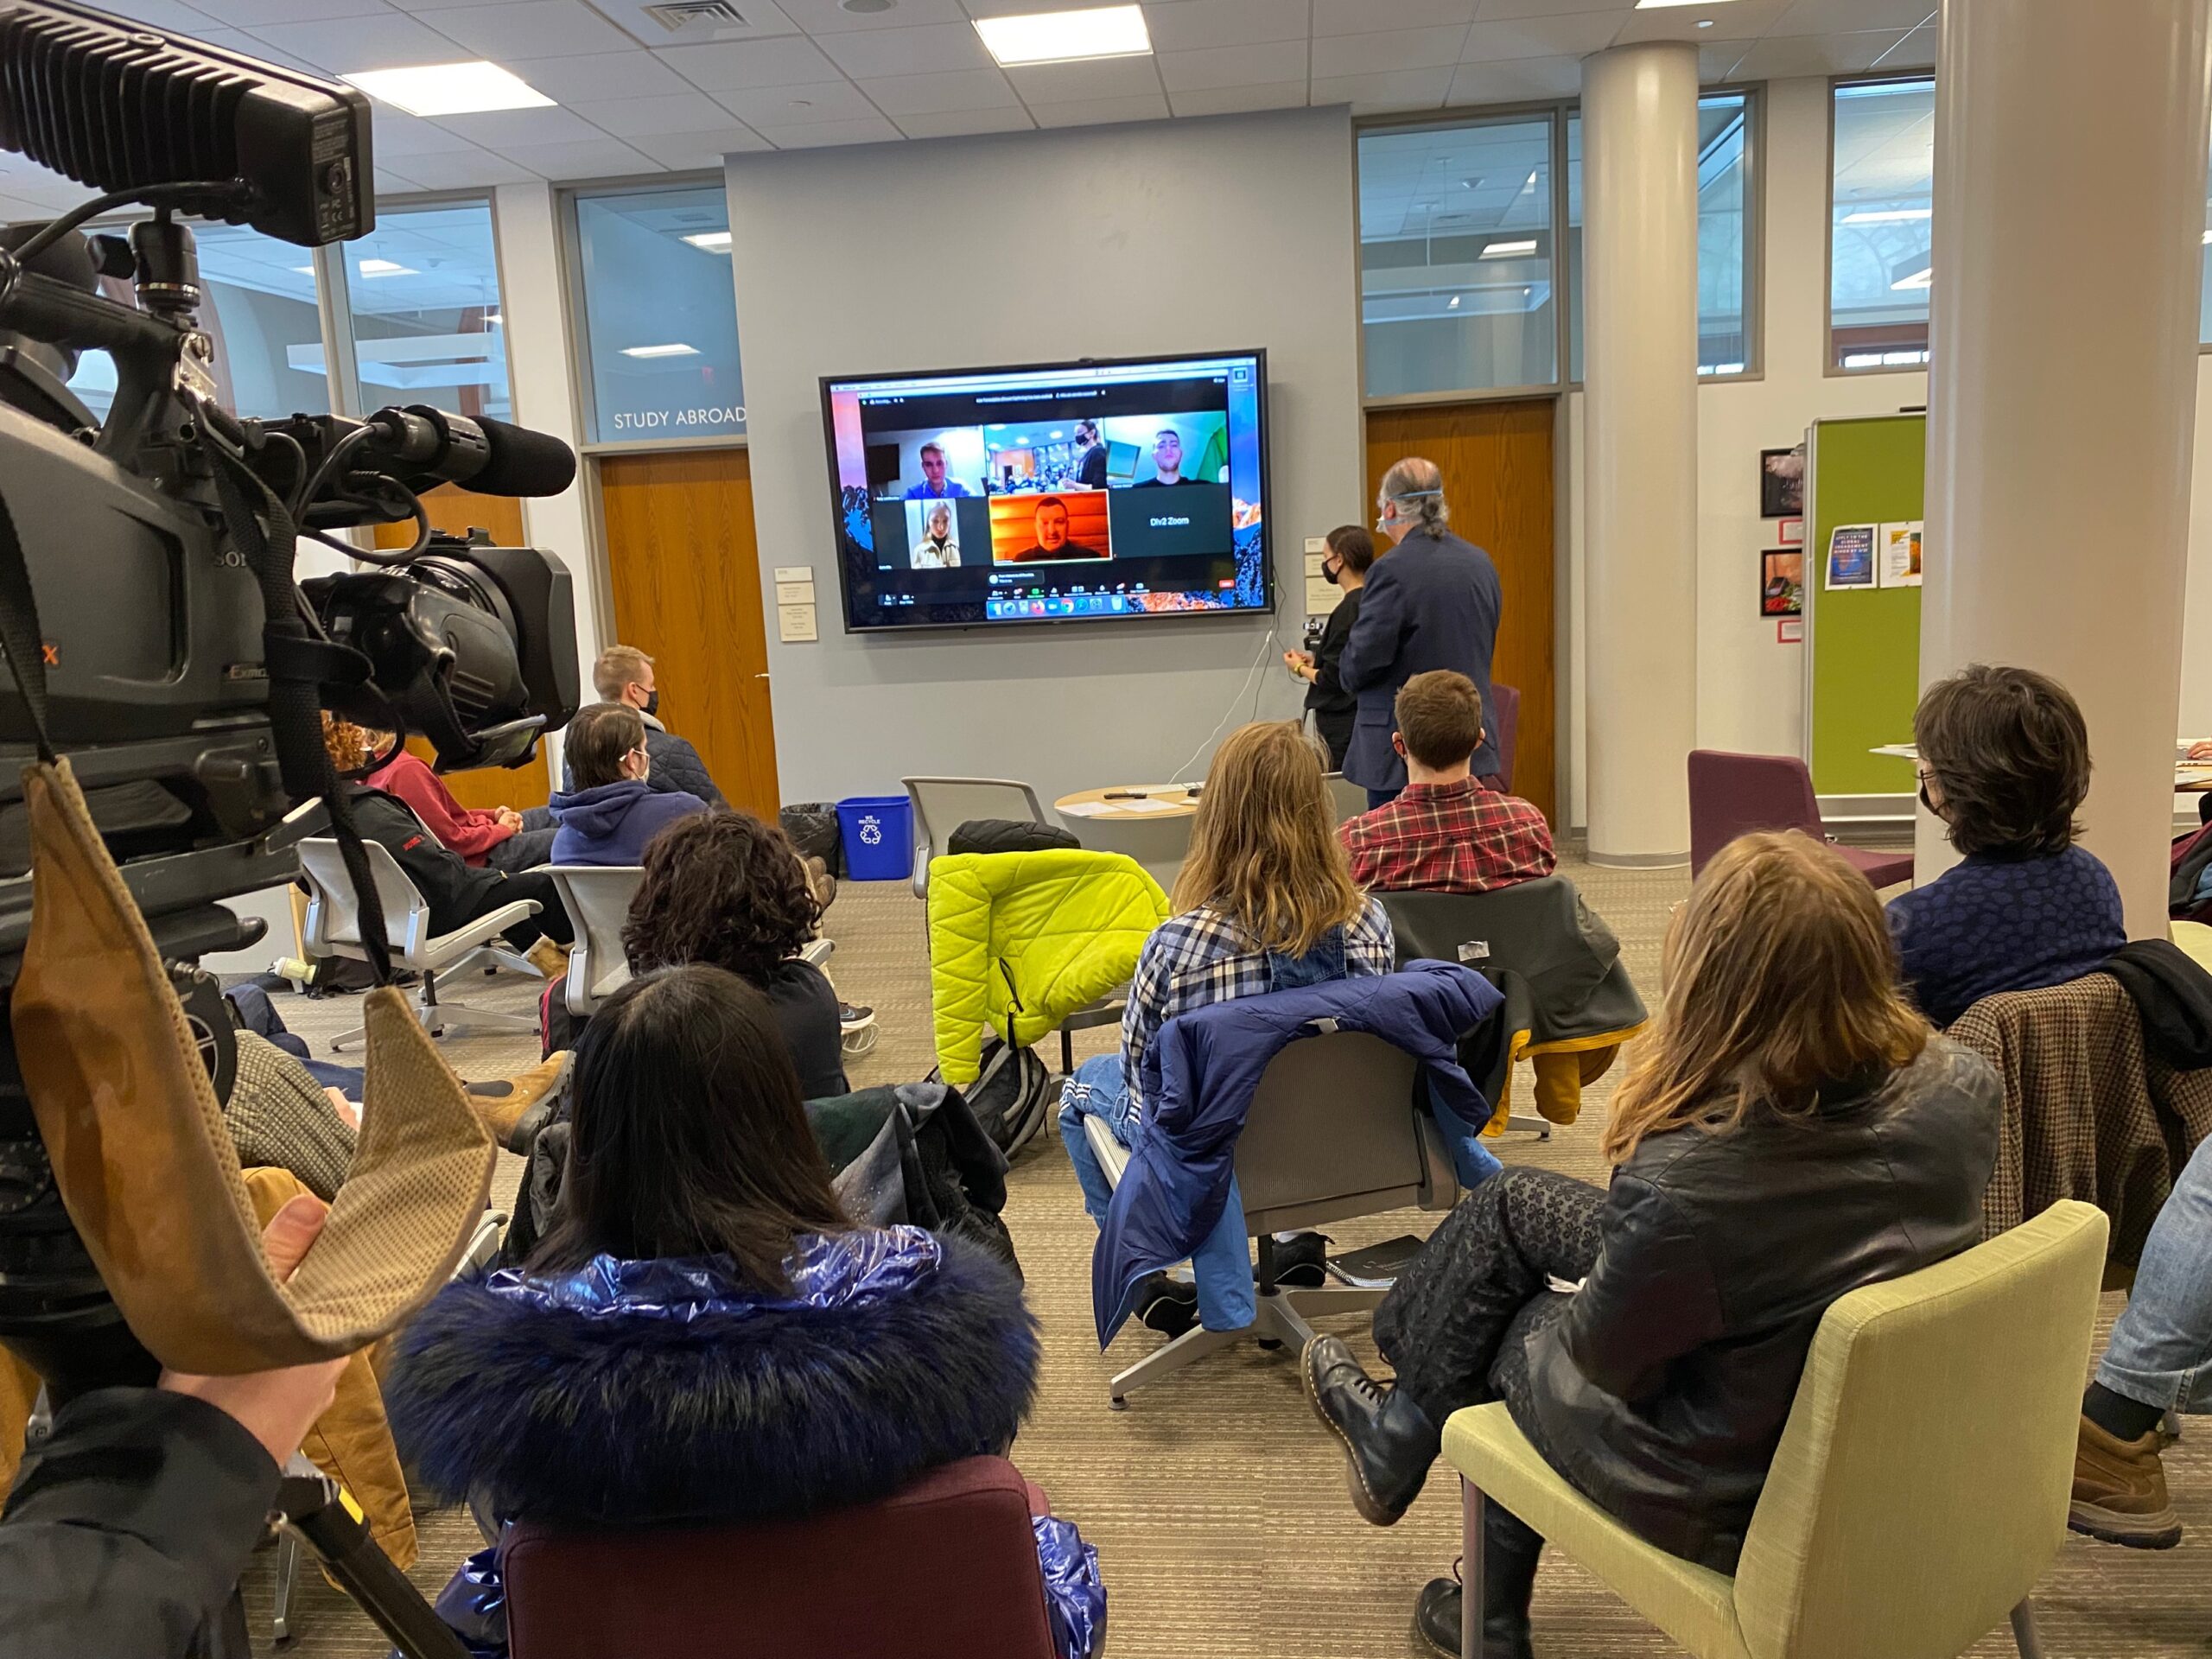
x: 1057, y: 604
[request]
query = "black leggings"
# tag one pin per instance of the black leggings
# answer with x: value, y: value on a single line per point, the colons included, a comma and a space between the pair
x: 1456, y: 1323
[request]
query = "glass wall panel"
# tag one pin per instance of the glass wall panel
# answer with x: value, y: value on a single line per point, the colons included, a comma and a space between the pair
x: 423, y: 292
x: 1456, y: 257
x: 1881, y: 200
x: 659, y: 314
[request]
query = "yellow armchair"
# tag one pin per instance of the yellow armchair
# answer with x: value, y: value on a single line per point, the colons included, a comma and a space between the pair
x: 1920, y: 1488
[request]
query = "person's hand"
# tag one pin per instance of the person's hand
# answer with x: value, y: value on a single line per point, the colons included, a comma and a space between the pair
x: 2201, y: 751
x: 1299, y: 664
x: 510, y: 819
x: 277, y: 1408
x: 348, y: 1113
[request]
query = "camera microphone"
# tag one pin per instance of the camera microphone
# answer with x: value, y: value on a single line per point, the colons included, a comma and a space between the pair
x: 488, y: 456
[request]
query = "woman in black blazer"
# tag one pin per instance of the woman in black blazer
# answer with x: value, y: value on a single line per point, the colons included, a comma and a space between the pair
x: 1351, y: 550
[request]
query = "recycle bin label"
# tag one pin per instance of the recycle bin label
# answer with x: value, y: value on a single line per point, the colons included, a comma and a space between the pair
x: 871, y: 830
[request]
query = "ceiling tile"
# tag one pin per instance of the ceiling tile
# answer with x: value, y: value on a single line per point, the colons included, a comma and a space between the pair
x: 1736, y: 19
x: 953, y: 123
x: 253, y: 14
x: 1098, y: 111
x: 1236, y: 100
x: 1370, y: 16
x: 1402, y: 89
x: 237, y: 40
x: 1916, y: 51
x: 1013, y: 8
x: 1852, y: 16
x: 169, y: 15
x: 344, y: 45
x: 498, y: 128
x: 1195, y: 25
x: 697, y: 152
x: 600, y: 77
x: 466, y: 170
x: 638, y: 118
x: 389, y: 183
x: 789, y: 106
x: 1233, y: 66
x: 1518, y: 79
x: 422, y: 5
x: 1495, y: 11
x: 866, y: 130
x: 1058, y: 83
x: 830, y: 17
x: 398, y: 135
x: 900, y: 96
x: 1780, y: 56
x: 1379, y: 54
x: 604, y: 158
x: 1571, y: 36
x: 868, y: 54
x: 738, y: 65
x: 531, y: 28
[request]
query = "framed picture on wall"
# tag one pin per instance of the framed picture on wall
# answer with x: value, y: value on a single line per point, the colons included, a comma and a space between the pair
x: 1782, y: 482
x: 1782, y: 581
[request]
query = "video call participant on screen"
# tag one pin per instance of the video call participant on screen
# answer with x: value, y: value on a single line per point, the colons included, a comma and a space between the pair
x: 1052, y: 536
x: 938, y: 550
x: 1167, y: 460
x: 1091, y: 471
x: 935, y: 485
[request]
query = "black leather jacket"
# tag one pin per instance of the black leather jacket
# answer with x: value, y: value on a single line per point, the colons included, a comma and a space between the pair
x: 1662, y: 1390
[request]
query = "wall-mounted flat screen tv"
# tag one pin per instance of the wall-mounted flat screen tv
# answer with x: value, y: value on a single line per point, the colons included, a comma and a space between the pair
x: 1089, y: 491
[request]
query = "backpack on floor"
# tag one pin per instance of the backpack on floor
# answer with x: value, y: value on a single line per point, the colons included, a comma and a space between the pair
x: 1011, y: 1095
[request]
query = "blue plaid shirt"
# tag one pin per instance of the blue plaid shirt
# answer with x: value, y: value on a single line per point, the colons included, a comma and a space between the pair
x: 1202, y: 956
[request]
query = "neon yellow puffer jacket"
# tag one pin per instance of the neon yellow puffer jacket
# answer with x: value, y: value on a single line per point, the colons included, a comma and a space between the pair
x: 1019, y: 940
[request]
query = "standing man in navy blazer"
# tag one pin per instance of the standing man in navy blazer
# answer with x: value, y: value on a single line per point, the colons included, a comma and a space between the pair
x: 1431, y: 601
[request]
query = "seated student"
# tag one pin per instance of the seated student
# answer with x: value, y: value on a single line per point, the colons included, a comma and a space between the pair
x: 456, y: 892
x: 1264, y: 903
x: 499, y: 838
x: 2005, y: 763
x: 2159, y: 1359
x: 726, y: 889
x: 609, y: 811
x: 1448, y: 831
x: 703, y: 1337
x: 1791, y: 1131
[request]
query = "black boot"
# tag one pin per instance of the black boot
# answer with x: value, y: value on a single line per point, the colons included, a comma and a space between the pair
x: 1509, y: 1555
x: 1388, y: 1441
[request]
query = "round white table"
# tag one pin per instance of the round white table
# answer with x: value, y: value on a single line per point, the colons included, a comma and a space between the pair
x: 1151, y: 822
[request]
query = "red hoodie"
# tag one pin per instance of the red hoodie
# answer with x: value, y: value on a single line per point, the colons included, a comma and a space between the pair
x: 470, y: 831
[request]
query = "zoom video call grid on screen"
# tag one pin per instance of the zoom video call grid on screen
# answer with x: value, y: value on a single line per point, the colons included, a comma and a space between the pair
x: 1091, y: 490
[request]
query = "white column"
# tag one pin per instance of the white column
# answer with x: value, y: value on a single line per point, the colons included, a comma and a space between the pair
x: 2067, y: 254
x: 1639, y: 240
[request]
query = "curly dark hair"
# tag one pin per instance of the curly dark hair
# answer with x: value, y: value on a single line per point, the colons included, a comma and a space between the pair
x: 720, y: 887
x: 2010, y: 750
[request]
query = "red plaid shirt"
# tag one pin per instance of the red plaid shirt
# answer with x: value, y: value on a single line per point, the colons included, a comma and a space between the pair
x: 1459, y: 838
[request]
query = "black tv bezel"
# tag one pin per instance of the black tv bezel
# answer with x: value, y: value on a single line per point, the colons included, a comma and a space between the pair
x: 1259, y: 356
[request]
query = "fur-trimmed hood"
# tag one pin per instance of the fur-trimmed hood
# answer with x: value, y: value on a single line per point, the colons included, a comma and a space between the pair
x: 593, y: 1400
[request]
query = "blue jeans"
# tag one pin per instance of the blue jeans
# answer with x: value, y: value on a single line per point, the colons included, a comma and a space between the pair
x: 2161, y: 1349
x: 1222, y: 1262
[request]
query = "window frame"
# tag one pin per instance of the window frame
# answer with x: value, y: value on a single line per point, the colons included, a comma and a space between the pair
x: 570, y: 243
x: 1831, y: 367
x: 1566, y: 277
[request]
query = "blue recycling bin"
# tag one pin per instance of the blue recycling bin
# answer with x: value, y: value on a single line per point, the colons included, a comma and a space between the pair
x: 878, y: 833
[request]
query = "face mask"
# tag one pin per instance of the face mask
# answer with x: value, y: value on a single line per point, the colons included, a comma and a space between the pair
x: 1329, y: 573
x: 1930, y: 805
x: 652, y: 701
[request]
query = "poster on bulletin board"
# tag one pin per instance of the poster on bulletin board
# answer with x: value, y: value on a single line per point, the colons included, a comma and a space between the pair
x: 1851, y: 556
x: 1901, y: 553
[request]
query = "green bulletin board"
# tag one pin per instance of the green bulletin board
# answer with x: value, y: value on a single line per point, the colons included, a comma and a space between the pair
x: 1862, y: 645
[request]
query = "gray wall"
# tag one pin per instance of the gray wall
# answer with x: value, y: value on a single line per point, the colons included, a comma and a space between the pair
x: 1165, y: 237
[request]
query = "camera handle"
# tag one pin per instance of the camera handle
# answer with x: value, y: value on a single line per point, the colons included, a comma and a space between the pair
x: 309, y: 1509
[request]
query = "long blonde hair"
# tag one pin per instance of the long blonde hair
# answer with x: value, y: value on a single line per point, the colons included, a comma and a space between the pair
x: 1264, y: 850
x: 1780, y: 977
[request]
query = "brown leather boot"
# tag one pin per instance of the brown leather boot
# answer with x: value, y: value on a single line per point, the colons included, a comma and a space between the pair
x: 2119, y: 1492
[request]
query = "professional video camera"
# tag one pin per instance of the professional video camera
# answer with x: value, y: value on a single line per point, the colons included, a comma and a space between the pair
x: 155, y: 633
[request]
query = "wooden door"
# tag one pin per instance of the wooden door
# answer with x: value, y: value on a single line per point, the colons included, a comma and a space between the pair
x: 1496, y: 459
x: 456, y: 511
x: 686, y: 571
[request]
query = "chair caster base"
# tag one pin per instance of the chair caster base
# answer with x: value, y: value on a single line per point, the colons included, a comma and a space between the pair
x: 1270, y: 1343
x: 1117, y: 1404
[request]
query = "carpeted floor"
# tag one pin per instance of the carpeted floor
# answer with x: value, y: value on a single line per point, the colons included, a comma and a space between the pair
x: 1216, y: 1501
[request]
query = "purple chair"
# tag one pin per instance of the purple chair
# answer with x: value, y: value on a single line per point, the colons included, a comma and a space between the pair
x: 1505, y: 723
x: 1732, y: 795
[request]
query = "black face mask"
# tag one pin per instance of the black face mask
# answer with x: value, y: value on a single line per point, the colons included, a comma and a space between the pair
x: 1331, y: 572
x: 1925, y: 801
x: 652, y: 701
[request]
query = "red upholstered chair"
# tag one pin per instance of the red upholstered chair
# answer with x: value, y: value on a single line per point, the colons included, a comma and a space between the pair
x: 946, y: 1569
x: 1732, y: 795
x: 1504, y: 722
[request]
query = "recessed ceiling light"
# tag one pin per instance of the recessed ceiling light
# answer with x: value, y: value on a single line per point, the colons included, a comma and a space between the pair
x: 384, y: 268
x: 1066, y: 36
x: 1887, y: 215
x: 1705, y: 23
x: 674, y: 348
x: 1508, y: 250
x: 449, y: 88
x: 868, y: 7
x: 1921, y: 278
x: 710, y: 241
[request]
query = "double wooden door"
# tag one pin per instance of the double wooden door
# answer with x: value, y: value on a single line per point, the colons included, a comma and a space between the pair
x: 685, y: 567
x: 1496, y: 460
